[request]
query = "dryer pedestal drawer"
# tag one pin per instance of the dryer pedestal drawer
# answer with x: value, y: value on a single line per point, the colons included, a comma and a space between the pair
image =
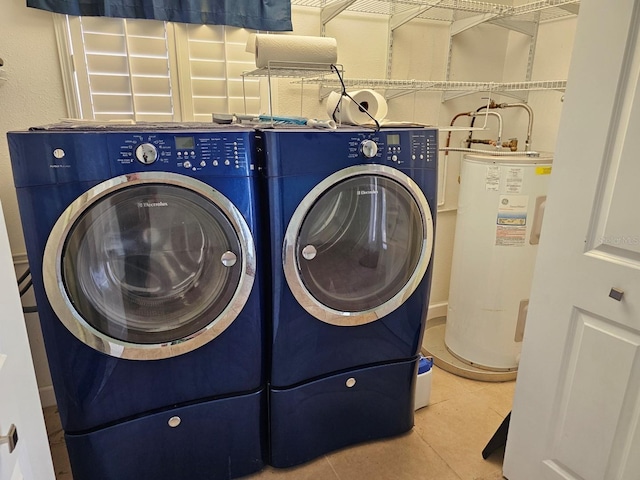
x: 333, y: 412
x: 219, y: 439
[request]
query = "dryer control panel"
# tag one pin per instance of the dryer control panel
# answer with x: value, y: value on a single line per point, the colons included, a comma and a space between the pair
x: 303, y: 151
x: 406, y: 147
x: 195, y: 153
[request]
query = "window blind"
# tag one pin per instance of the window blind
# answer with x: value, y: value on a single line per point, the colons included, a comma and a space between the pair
x: 148, y: 70
x: 122, y: 69
x: 215, y: 58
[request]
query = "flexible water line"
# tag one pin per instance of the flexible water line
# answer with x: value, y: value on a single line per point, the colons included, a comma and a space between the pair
x: 494, y: 153
x: 527, y: 143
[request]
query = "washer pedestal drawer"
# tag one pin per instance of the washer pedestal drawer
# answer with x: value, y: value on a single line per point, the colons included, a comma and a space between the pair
x: 314, y: 418
x: 219, y: 439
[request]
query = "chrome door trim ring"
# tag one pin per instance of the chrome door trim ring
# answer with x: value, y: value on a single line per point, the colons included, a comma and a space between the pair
x: 73, y: 321
x: 289, y: 263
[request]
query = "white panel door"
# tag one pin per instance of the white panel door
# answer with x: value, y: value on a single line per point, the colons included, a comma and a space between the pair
x: 576, y: 410
x: 19, y: 399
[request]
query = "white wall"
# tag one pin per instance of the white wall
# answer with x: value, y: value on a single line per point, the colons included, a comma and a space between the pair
x: 33, y: 95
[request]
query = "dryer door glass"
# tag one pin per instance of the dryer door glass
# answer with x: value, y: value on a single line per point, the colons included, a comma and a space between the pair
x: 151, y: 263
x: 360, y: 243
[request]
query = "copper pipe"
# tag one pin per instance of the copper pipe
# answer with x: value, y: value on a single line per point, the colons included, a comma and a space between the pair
x: 453, y: 120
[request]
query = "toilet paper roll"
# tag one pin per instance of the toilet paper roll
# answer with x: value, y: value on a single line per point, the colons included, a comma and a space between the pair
x: 295, y: 49
x: 353, y: 113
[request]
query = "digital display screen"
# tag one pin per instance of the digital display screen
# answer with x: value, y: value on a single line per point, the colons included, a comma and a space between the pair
x: 185, y: 143
x: 393, y: 139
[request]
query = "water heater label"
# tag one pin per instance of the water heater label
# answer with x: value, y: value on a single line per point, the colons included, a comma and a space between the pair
x: 514, y: 180
x: 492, y: 178
x: 511, y: 222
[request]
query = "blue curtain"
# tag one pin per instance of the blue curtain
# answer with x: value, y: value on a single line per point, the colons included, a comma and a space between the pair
x: 272, y: 15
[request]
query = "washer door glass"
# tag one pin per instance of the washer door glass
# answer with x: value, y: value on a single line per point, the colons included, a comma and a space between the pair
x: 360, y: 243
x: 151, y: 263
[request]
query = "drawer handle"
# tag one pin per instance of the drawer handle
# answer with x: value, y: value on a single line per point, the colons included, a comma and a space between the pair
x: 616, y: 294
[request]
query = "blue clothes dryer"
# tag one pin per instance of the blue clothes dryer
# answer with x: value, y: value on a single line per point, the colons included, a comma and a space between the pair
x: 142, y: 243
x: 352, y: 228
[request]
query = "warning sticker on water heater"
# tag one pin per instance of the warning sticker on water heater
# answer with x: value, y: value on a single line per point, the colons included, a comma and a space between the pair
x: 511, y: 223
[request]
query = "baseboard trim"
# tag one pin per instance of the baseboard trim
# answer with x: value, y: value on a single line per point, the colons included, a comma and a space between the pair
x: 437, y: 310
x: 47, y: 397
x: 20, y: 259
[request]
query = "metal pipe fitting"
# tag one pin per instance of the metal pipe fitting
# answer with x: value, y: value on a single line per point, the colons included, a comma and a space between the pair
x: 527, y: 142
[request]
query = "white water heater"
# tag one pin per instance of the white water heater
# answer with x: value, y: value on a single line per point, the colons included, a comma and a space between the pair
x: 500, y: 209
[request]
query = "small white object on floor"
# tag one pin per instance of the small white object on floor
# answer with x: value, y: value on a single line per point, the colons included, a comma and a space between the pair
x: 423, y: 383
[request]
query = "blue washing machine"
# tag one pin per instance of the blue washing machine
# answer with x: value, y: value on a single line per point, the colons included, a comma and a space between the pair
x: 142, y: 243
x: 352, y: 228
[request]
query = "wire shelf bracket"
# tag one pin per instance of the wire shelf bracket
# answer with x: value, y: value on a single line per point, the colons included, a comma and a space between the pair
x: 299, y: 70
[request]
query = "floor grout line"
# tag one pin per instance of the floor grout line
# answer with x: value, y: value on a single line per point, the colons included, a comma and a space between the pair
x: 335, y: 472
x: 437, y: 453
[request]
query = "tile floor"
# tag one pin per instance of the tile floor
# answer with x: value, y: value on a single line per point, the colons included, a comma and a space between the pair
x: 445, y: 443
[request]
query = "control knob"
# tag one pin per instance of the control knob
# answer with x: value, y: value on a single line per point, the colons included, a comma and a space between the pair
x: 146, y: 153
x: 369, y: 148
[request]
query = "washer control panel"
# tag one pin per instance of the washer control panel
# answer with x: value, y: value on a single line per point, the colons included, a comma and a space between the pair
x: 205, y: 153
x: 403, y: 147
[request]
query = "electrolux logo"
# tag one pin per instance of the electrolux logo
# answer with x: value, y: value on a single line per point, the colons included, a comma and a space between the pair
x: 152, y: 204
x: 367, y: 192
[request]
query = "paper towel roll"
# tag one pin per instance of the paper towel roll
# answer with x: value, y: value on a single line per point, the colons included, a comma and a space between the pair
x: 251, y: 43
x: 294, y: 49
x: 352, y: 113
